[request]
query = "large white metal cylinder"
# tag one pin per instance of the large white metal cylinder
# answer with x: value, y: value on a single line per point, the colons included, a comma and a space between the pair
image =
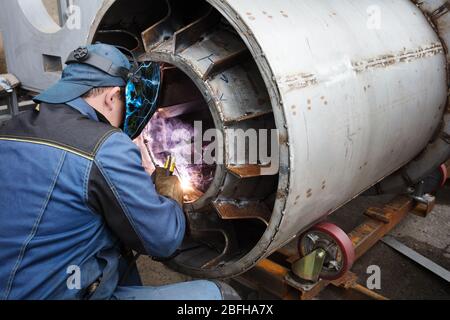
x: 358, y: 100
x: 354, y: 99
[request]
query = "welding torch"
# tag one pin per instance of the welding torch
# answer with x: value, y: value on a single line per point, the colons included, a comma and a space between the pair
x: 170, y: 166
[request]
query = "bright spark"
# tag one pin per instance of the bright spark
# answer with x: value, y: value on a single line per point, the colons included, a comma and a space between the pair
x: 186, y: 185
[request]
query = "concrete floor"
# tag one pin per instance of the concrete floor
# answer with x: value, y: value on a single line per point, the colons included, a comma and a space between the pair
x: 401, y: 278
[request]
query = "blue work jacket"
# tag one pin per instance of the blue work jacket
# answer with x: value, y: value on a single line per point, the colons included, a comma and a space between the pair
x: 73, y: 191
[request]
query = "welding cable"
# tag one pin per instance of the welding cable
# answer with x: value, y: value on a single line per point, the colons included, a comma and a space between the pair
x: 124, y: 32
x: 435, y: 154
x: 136, y: 257
x: 176, y: 254
x: 130, y: 267
x: 150, y: 154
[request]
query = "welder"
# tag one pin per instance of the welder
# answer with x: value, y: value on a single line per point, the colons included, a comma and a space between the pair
x: 75, y: 198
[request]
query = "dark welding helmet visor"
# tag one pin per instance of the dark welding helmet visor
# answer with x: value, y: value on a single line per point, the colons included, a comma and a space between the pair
x: 142, y: 83
x: 141, y: 98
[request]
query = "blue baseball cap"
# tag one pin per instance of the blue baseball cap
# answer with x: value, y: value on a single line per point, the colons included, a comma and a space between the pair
x: 78, y: 78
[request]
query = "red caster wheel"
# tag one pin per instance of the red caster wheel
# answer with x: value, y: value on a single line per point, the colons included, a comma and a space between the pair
x: 337, y: 246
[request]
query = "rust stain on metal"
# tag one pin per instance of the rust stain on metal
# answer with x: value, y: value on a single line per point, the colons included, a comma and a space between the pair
x: 325, y: 102
x: 246, y: 171
x: 381, y: 222
x: 283, y: 139
x: 267, y: 15
x: 377, y: 214
x: 298, y: 81
x: 423, y: 210
x: 309, y: 104
x: 246, y: 210
x: 273, y: 268
x: 250, y: 16
x: 294, y: 110
x: 247, y: 116
x: 309, y: 193
x: 401, y: 57
x: 282, y: 194
x: 268, y: 272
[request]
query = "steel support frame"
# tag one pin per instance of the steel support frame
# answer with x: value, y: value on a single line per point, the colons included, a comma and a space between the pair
x: 279, y: 281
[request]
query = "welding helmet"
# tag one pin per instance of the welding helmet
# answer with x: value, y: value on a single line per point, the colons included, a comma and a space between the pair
x: 103, y: 65
x: 141, y: 97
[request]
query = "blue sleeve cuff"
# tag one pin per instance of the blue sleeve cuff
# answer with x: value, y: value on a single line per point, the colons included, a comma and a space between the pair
x: 158, y: 222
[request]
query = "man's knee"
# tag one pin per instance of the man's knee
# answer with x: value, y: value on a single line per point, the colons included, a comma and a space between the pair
x: 194, y: 290
x: 227, y: 291
x: 209, y: 290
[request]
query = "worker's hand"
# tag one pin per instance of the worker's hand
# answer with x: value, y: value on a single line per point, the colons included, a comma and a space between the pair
x: 168, y: 186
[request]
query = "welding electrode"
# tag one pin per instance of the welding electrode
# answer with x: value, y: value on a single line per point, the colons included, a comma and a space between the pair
x: 170, y: 166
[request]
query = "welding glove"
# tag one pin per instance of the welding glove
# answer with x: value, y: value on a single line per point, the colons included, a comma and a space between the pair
x: 168, y: 186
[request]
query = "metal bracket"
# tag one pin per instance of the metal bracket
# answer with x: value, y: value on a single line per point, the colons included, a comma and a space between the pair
x: 310, y: 267
x: 425, y: 202
x: 441, y: 11
x: 5, y: 85
x: 8, y: 83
